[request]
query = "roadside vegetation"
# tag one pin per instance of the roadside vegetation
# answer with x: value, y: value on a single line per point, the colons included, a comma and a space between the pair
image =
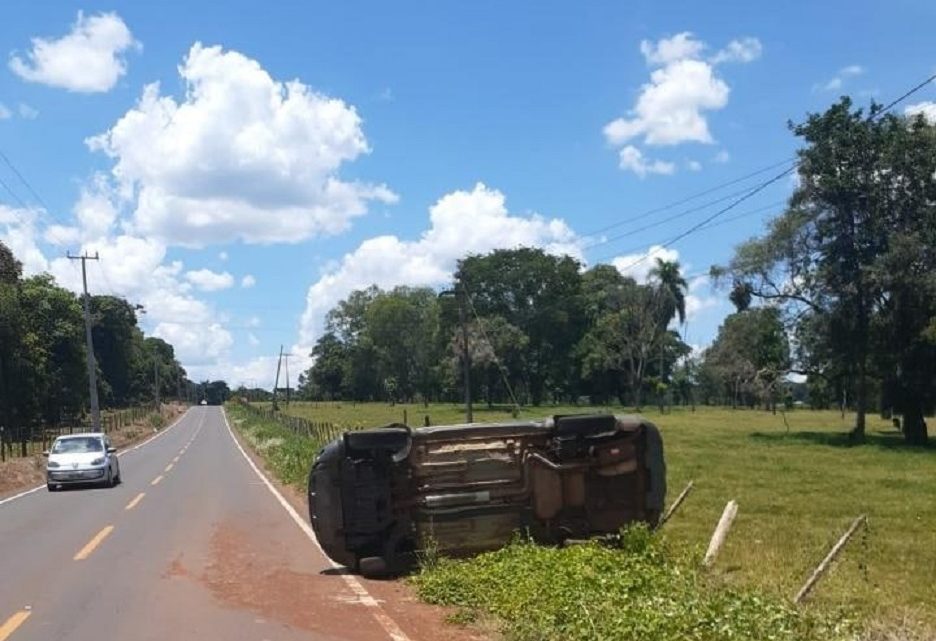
x: 799, y: 481
x: 637, y: 588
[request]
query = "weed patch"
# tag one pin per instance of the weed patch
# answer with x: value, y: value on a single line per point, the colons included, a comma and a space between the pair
x: 639, y: 589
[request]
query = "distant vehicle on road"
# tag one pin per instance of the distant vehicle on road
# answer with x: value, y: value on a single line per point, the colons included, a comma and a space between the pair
x: 377, y: 496
x: 204, y: 402
x: 82, y: 459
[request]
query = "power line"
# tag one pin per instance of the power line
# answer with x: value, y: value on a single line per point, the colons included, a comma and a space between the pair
x: 770, y: 181
x: 691, y: 197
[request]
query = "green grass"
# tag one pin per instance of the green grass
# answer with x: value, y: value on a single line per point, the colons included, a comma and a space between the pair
x: 797, y: 488
x: 638, y: 589
x: 288, y: 455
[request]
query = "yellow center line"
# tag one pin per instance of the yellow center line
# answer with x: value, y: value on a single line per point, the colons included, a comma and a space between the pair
x: 132, y: 504
x: 156, y: 480
x: 168, y: 467
x: 15, y: 621
x: 93, y: 543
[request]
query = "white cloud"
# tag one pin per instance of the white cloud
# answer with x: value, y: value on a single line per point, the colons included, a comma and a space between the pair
x: 26, y: 112
x: 461, y: 222
x: 927, y: 109
x: 248, y: 281
x: 241, y: 156
x: 722, y: 157
x: 252, y: 339
x: 18, y: 232
x: 222, y: 256
x: 699, y: 294
x: 631, y: 159
x: 253, y: 321
x: 670, y: 108
x: 666, y: 50
x: 694, y: 165
x: 742, y: 50
x: 638, y: 266
x: 5, y: 113
x: 88, y: 59
x: 136, y: 269
x: 838, y: 81
x: 209, y: 281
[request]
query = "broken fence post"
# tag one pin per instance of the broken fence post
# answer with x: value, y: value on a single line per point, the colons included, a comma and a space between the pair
x: 827, y: 561
x: 675, y: 506
x: 721, y: 532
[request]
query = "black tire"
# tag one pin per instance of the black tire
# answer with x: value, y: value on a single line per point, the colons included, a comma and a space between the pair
x: 109, y: 481
x: 52, y: 487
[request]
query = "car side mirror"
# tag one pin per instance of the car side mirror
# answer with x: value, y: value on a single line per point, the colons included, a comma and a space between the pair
x: 45, y: 453
x: 112, y: 450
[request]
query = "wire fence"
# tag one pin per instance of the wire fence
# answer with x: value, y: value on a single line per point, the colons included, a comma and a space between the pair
x: 320, y: 430
x: 29, y: 440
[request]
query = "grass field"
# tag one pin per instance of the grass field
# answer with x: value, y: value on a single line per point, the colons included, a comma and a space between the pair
x: 798, y: 489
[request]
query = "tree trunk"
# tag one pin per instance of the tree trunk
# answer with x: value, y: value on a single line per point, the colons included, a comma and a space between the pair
x: 914, y: 425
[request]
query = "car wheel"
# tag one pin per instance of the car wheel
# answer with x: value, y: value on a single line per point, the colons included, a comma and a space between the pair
x: 118, y: 479
x: 52, y: 487
x: 109, y: 481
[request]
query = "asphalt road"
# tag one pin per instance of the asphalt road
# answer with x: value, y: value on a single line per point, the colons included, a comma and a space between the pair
x: 193, y: 544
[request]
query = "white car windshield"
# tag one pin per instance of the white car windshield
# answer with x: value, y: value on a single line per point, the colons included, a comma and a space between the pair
x: 78, y: 445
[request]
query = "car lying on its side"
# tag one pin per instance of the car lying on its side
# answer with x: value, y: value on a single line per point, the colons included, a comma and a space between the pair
x: 377, y: 496
x: 82, y: 459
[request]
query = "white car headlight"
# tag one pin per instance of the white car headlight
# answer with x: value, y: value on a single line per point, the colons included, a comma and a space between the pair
x: 98, y: 461
x: 53, y: 464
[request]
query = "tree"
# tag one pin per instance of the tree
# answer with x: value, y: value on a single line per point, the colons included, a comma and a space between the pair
x: 117, y: 348
x: 851, y: 259
x: 750, y: 356
x: 672, y: 289
x: 539, y: 294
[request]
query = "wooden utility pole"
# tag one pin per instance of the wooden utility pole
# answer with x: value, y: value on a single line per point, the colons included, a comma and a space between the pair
x: 285, y: 358
x: 92, y: 365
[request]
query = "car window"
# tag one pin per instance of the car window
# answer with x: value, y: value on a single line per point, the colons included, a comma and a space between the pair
x: 78, y: 445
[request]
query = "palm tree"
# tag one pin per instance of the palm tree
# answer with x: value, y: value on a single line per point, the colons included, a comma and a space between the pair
x: 672, y: 288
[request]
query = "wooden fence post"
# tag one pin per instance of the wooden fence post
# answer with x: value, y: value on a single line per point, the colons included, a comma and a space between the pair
x: 721, y: 532
x: 827, y: 561
x: 675, y: 506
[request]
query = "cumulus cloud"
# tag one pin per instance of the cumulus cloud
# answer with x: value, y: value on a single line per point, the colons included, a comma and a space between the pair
x: 248, y: 281
x: 927, y: 109
x: 742, y: 50
x: 671, y: 108
x: 136, y: 269
x: 240, y: 156
x: 632, y: 159
x: 699, y: 294
x: 839, y: 80
x: 461, y: 222
x: 694, y: 165
x: 18, y: 231
x: 5, y: 113
x: 638, y: 266
x: 89, y: 59
x: 722, y: 157
x: 209, y: 281
x: 252, y: 339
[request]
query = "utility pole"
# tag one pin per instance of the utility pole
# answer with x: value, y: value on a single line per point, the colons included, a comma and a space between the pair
x: 92, y: 366
x: 279, y: 364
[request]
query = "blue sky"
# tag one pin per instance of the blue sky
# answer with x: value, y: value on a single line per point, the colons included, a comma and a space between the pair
x: 416, y: 132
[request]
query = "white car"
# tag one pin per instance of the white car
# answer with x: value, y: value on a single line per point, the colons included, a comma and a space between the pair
x: 82, y: 458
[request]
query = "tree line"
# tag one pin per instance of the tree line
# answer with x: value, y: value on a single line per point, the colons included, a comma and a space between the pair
x: 43, y: 367
x: 840, y: 289
x: 539, y: 328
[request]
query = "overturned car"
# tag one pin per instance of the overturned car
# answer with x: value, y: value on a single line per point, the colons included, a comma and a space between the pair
x: 377, y: 496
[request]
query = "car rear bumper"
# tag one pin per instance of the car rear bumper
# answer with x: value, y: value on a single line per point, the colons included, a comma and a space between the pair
x: 66, y: 477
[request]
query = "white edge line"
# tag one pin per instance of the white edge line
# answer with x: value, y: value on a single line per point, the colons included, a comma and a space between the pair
x: 388, y: 624
x: 10, y: 499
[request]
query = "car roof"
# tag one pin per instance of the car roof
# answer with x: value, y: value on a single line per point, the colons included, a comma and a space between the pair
x: 81, y: 435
